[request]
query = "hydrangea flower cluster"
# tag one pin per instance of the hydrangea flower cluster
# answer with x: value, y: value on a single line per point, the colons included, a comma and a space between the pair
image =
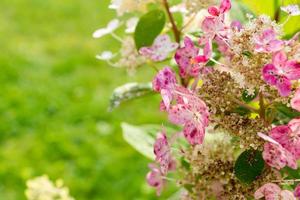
x: 237, y: 78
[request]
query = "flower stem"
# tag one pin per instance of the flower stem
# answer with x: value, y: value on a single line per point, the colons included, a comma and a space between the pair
x: 262, y: 108
x: 240, y: 103
x: 175, y: 29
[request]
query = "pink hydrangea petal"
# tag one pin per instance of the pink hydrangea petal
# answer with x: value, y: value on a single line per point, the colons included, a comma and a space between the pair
x: 279, y: 59
x: 160, y: 48
x: 165, y: 79
x: 278, y: 157
x: 180, y: 114
x: 287, y: 195
x: 292, y: 70
x: 268, y: 34
x: 295, y: 101
x: 154, y: 178
x: 194, y: 134
x: 270, y: 191
x: 213, y: 10
x: 274, y: 45
x: 236, y: 25
x: 297, y: 191
x: 225, y: 6
x: 284, y: 86
x: 269, y: 73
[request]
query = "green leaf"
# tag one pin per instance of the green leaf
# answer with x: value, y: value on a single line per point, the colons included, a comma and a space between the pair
x: 139, y: 139
x: 242, y: 111
x: 185, y: 164
x: 284, y: 114
x: 239, y: 11
x: 129, y: 91
x: 248, y: 98
x: 149, y: 27
x: 249, y: 166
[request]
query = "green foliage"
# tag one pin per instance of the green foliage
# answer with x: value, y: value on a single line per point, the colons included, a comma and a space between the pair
x: 149, y: 27
x: 128, y: 92
x: 249, y: 166
x: 54, y: 99
x: 284, y: 114
x: 139, y: 139
x: 248, y: 98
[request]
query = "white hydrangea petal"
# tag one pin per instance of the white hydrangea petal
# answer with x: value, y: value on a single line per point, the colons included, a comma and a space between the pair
x: 131, y: 24
x: 100, y: 32
x: 292, y: 9
x: 113, y: 25
x: 115, y: 4
x: 267, y: 138
x: 105, y: 55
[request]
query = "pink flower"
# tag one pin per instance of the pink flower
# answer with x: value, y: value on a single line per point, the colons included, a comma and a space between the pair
x: 295, y: 101
x: 160, y: 49
x: 164, y: 82
x: 185, y: 58
x: 162, y: 152
x: 192, y: 113
x: 155, y: 178
x: 288, y: 136
x: 267, y: 42
x: 281, y: 72
x: 271, y: 191
x: 224, y: 7
x: 297, y: 191
x: 277, y: 156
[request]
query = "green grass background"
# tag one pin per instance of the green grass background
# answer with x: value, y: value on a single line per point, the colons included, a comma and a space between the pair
x: 54, y: 98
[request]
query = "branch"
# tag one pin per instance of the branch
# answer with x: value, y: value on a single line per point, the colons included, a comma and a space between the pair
x: 175, y: 29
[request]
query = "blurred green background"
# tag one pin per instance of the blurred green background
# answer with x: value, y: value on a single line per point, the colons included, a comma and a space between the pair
x: 54, y: 99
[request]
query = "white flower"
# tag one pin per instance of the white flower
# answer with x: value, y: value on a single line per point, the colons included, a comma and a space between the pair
x: 41, y: 188
x: 125, y: 6
x: 131, y: 24
x: 292, y: 9
x: 111, y: 26
x: 105, y: 55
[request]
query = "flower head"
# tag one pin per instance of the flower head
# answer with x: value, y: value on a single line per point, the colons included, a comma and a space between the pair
x: 271, y: 191
x: 111, y: 27
x: 267, y: 42
x: 131, y: 24
x: 160, y: 49
x: 188, y: 59
x: 292, y: 9
x: 281, y: 72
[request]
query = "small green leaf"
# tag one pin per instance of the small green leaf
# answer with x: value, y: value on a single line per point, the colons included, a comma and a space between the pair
x: 242, y: 111
x: 129, y: 91
x: 185, y: 164
x: 247, y: 53
x: 284, y: 114
x: 249, y: 166
x: 149, y: 27
x: 139, y: 139
x: 248, y: 98
x: 239, y: 11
